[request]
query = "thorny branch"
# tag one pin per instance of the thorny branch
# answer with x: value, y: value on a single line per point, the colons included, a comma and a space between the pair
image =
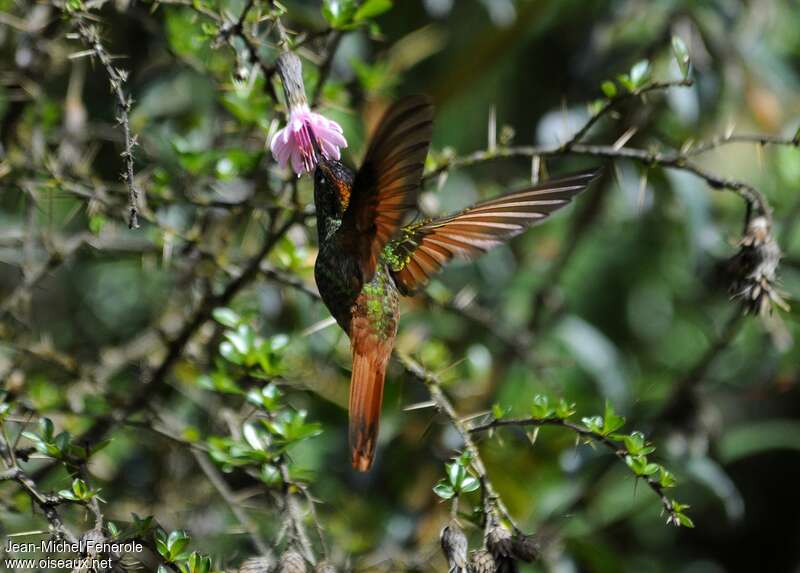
x: 615, y: 102
x: 495, y: 502
x: 48, y: 503
x: 219, y: 483
x: 679, y: 160
x: 585, y: 433
x: 117, y: 79
x: 152, y: 384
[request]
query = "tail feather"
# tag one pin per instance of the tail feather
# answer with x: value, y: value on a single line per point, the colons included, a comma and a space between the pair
x: 366, y: 396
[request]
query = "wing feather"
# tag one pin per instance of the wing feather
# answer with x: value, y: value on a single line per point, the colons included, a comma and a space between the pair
x: 423, y: 249
x: 386, y: 187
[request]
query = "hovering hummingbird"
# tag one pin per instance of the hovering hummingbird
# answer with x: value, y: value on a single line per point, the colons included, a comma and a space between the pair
x: 367, y: 259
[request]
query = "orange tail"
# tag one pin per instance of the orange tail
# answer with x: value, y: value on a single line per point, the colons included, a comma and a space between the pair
x: 366, y: 395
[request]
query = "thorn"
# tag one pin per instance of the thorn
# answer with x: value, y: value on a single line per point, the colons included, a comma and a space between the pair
x: 536, y: 166
x: 492, y: 135
x: 625, y: 138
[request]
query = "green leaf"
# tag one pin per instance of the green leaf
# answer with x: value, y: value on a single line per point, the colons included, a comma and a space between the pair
x: 640, y: 73
x: 611, y: 421
x: 465, y: 458
x: 229, y: 353
x: 596, y: 106
x: 32, y: 437
x: 541, y: 407
x: 67, y: 494
x: 198, y: 563
x: 665, y: 478
x: 637, y: 464
x: 177, y: 542
x: 96, y: 223
x: 456, y: 473
x: 609, y: 88
x: 636, y: 444
x: 227, y: 317
x: 650, y: 469
x: 99, y: 446
x: 219, y: 381
x: 594, y: 424
x: 499, y: 412
x: 339, y: 13
x: 626, y: 82
x: 444, y: 490
x: 682, y: 519
x: 278, y: 342
x: 62, y: 442
x: 681, y: 55
x: 161, y: 547
x: 80, y: 489
x: 469, y: 484
x: 371, y: 9
x: 267, y: 397
x: 565, y: 409
x: 270, y: 475
x: 46, y: 429
x: 252, y: 436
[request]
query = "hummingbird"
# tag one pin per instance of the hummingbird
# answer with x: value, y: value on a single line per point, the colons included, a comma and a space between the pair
x: 368, y: 258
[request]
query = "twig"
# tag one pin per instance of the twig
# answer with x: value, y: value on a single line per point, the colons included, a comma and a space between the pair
x: 586, y: 433
x: 46, y: 502
x: 227, y: 495
x: 670, y: 160
x: 117, y: 78
x: 614, y: 102
x: 495, y: 502
x: 294, y: 513
x: 150, y: 387
x: 721, y: 141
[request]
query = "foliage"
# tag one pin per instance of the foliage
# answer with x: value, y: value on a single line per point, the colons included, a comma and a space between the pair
x: 164, y: 352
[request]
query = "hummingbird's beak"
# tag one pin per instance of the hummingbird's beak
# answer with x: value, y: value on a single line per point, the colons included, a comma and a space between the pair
x: 318, y: 155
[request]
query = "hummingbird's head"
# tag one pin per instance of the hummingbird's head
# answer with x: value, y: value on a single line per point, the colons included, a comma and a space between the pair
x: 333, y: 182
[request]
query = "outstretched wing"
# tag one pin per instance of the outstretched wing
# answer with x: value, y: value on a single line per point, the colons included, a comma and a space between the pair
x: 387, y: 185
x: 423, y: 248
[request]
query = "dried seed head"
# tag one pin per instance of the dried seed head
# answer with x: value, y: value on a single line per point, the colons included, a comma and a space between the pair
x: 260, y: 564
x: 526, y: 548
x: 325, y: 567
x: 754, y: 270
x: 454, y: 546
x: 292, y: 562
x: 498, y: 541
x: 482, y: 562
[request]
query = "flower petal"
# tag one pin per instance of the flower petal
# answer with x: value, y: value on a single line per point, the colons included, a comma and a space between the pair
x: 293, y: 143
x: 297, y: 162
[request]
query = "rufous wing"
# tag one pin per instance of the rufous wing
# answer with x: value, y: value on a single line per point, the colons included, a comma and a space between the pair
x: 422, y: 249
x: 387, y: 185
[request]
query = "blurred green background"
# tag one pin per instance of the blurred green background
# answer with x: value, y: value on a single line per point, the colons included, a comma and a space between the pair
x: 618, y: 298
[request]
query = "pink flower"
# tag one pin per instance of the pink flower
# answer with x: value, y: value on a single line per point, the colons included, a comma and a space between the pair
x: 294, y: 144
